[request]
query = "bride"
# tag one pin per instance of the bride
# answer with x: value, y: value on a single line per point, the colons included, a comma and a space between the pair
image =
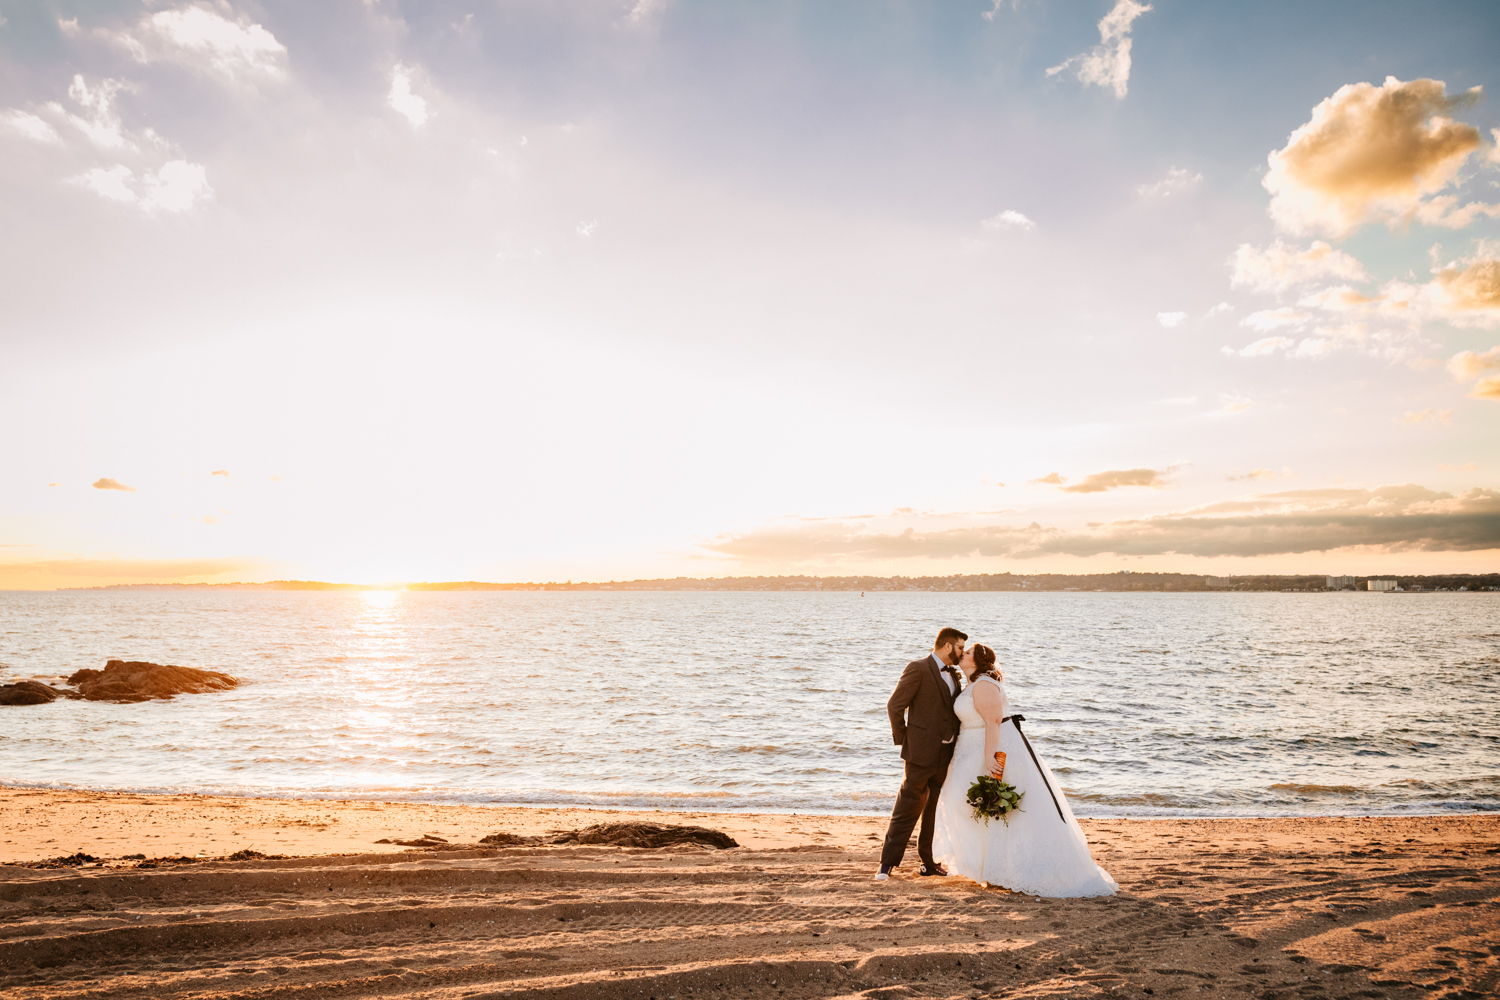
x: 1041, y: 850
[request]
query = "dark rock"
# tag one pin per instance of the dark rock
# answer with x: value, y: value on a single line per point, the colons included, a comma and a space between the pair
x: 28, y: 693
x: 129, y: 681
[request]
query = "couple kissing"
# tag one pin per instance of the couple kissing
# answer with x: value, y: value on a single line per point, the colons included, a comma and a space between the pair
x: 951, y: 717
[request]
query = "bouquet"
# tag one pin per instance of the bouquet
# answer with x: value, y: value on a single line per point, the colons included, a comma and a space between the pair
x: 993, y: 798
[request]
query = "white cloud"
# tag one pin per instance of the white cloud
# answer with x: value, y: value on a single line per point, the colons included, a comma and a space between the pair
x: 31, y: 126
x: 176, y: 187
x: 1264, y: 346
x: 412, y: 107
x: 110, y: 183
x: 1171, y: 319
x: 1178, y: 181
x: 586, y: 229
x: 1233, y: 402
x: 1280, y: 267
x: 644, y: 10
x: 1108, y: 63
x: 102, y: 124
x: 206, y: 40
x: 1374, y: 154
x: 1222, y: 307
x: 1008, y: 219
x: 1273, y: 319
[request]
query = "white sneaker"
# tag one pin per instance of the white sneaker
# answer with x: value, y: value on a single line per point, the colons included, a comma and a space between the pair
x: 882, y: 876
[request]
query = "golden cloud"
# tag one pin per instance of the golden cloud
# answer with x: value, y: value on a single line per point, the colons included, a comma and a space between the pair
x: 1393, y: 518
x: 111, y: 484
x: 1374, y: 154
x: 1115, y: 478
x: 1050, y: 479
x: 1471, y: 364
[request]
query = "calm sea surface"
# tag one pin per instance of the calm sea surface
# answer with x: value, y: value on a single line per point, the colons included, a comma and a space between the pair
x: 1148, y: 704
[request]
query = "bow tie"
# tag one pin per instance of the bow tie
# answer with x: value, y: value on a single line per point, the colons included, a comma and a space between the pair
x: 954, y: 672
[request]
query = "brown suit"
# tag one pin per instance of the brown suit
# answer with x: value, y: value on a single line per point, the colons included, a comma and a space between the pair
x: 923, y: 724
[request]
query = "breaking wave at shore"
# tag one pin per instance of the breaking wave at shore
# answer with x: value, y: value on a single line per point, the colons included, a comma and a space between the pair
x: 1144, y: 704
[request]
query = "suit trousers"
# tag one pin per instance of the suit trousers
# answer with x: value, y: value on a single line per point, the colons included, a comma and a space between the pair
x: 917, y: 799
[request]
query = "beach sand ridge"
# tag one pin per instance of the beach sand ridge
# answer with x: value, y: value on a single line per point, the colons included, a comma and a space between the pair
x: 1276, y: 909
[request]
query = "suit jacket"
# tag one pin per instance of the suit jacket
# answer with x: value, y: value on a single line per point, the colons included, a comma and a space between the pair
x: 921, y: 711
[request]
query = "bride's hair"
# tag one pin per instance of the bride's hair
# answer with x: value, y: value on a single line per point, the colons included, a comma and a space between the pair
x: 984, y: 663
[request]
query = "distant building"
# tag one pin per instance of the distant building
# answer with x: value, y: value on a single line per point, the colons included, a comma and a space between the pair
x: 1340, y: 582
x: 1218, y: 581
x: 1382, y: 585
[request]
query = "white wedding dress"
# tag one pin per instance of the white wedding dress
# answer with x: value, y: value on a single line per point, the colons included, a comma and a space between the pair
x: 1036, y: 852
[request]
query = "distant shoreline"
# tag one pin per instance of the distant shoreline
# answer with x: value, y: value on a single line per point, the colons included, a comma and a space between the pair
x: 1122, y: 582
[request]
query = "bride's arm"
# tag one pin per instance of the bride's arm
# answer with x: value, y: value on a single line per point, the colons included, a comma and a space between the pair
x: 990, y: 704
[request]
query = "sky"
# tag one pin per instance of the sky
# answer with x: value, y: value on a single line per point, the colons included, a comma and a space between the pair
x: 370, y: 291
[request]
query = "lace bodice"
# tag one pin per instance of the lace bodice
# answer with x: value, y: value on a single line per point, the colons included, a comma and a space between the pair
x: 968, y: 716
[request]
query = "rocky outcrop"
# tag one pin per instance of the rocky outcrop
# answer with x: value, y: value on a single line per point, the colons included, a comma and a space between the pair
x: 30, y: 693
x: 133, y: 680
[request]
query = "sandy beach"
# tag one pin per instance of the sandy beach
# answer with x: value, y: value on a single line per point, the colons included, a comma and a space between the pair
x: 1271, y: 908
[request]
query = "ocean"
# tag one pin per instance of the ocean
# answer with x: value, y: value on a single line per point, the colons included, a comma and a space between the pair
x: 1245, y: 704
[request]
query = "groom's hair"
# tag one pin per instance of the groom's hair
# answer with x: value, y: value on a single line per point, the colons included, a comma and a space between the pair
x: 948, y: 635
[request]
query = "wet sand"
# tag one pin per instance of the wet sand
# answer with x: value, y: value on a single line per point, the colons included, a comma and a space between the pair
x: 1277, y: 909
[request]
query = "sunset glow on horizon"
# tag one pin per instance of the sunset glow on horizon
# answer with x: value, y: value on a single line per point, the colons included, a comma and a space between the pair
x: 378, y: 292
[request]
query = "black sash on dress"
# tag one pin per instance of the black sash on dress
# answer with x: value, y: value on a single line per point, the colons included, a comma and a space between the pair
x: 1017, y: 720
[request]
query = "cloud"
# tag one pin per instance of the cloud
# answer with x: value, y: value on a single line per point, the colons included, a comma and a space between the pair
x: 101, y: 124
x: 1252, y: 474
x: 645, y: 10
x: 1471, y: 364
x: 1222, y: 307
x: 1466, y: 467
x: 32, y: 127
x: 1280, y: 267
x: 112, y: 484
x: 1262, y: 347
x: 1434, y: 417
x: 1009, y: 219
x: 1050, y: 479
x: 1099, y: 482
x: 1465, y: 293
x: 1273, y: 319
x: 219, y: 472
x: 1406, y: 518
x: 1171, y: 319
x: 1108, y: 63
x: 176, y: 187
x: 1373, y: 154
x: 1179, y: 180
x: 1467, y: 365
x: 206, y: 40
x: 1233, y: 402
x: 1468, y: 295
x: 412, y: 107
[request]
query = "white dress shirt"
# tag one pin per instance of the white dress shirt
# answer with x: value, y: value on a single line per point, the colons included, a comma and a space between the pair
x: 943, y: 670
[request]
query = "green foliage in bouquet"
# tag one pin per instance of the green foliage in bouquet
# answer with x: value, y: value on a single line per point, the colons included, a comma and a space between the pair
x: 993, y: 798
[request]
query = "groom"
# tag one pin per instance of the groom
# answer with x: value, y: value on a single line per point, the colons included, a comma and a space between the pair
x: 923, y: 724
